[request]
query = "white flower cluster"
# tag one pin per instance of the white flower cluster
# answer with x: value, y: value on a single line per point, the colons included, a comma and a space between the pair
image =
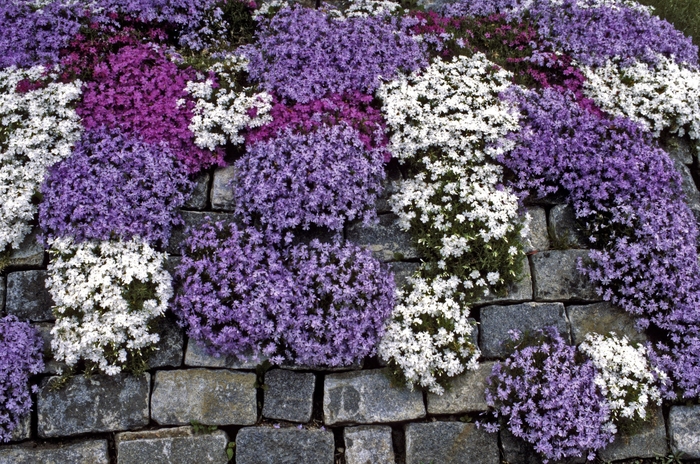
x: 221, y: 114
x: 430, y: 333
x: 37, y: 129
x: 95, y: 287
x: 665, y: 96
x: 367, y: 8
x: 624, y: 374
x: 268, y: 7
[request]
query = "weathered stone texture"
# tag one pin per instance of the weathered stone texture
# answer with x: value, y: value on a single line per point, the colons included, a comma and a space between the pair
x: 170, y: 347
x: 679, y: 149
x: 289, y: 395
x: 171, y: 446
x: 221, y: 194
x: 648, y: 442
x: 99, y: 403
x: 263, y: 445
x: 368, y: 444
x: 193, y: 219
x: 30, y: 253
x: 450, y: 443
x: 684, y: 430
x: 392, y: 184
x: 465, y: 394
x: 23, y: 431
x: 602, y: 318
x: 496, y: 321
x: 3, y: 289
x: 516, y: 450
x: 516, y: 292
x: 198, y: 198
x: 86, y: 452
x: 367, y: 397
x: 537, y: 239
x: 385, y: 239
x: 51, y: 366
x: 692, y: 195
x: 27, y: 297
x: 213, y: 397
x: 557, y: 278
x: 402, y: 271
x: 564, y: 229
x: 196, y: 355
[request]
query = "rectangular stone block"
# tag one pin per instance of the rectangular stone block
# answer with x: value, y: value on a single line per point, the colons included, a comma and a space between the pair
x: 402, y: 271
x: 212, y: 397
x: 179, y: 445
x: 289, y: 395
x: 30, y: 253
x: 537, y: 239
x: 196, y: 355
x: 497, y: 321
x: 516, y: 292
x: 198, y: 198
x: 221, y: 195
x: 684, y: 430
x: 265, y: 445
x: 171, y: 346
x: 367, y: 397
x: 193, y: 219
x: 392, y: 184
x: 23, y: 431
x: 450, y: 443
x: 648, y: 442
x: 368, y: 444
x: 564, y: 229
x: 51, y: 366
x: 99, y: 403
x: 385, y: 239
x: 557, y: 278
x: 602, y: 318
x: 85, y: 452
x: 27, y: 297
x: 465, y: 393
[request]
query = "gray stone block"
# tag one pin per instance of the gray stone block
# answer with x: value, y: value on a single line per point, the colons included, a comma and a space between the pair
x: 27, y: 297
x: 51, y: 366
x: 367, y: 397
x: 198, y: 198
x: 172, y: 263
x: 196, y: 356
x: 263, y: 445
x: 289, y: 395
x: 602, y: 318
x: 465, y: 393
x: 193, y: 219
x: 520, y: 290
x: 171, y: 346
x: 684, y: 430
x: 385, y: 239
x: 679, y: 149
x: 392, y: 184
x: 402, y: 271
x: 85, y: 452
x: 368, y: 444
x: 537, y: 238
x: 516, y: 450
x: 496, y: 321
x: 564, y: 229
x: 99, y: 403
x: 221, y: 194
x: 648, y: 442
x: 450, y: 443
x: 23, y: 431
x: 556, y: 276
x: 692, y: 195
x: 213, y: 397
x: 30, y: 253
x: 179, y: 445
x: 3, y: 290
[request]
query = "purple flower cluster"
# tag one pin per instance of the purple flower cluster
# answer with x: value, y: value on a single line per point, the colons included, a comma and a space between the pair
x: 322, y: 178
x: 321, y: 304
x: 21, y: 347
x: 302, y: 54
x: 550, y: 400
x: 114, y: 185
x: 137, y: 90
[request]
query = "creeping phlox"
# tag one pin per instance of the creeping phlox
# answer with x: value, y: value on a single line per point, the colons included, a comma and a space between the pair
x: 38, y: 127
x: 105, y: 295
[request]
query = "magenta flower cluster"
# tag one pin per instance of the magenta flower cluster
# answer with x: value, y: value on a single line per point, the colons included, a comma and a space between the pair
x: 112, y: 186
x: 21, y: 347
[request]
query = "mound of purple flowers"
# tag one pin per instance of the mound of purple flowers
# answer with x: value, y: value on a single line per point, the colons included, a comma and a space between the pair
x: 302, y: 54
x: 550, y: 400
x: 114, y: 185
x: 21, y: 347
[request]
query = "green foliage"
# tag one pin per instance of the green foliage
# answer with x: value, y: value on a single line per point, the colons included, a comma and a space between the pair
x: 683, y: 14
x: 200, y: 429
x: 137, y: 292
x: 230, y: 450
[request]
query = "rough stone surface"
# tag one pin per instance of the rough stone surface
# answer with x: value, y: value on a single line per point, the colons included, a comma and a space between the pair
x: 538, y: 237
x: 86, y: 452
x: 516, y: 292
x: 172, y: 263
x: 496, y: 321
x: 466, y: 393
x: 602, y: 318
x: 171, y: 345
x: 179, y: 445
x: 23, y: 431
x: 193, y: 219
x: 692, y: 195
x: 99, y: 403
x: 684, y: 430
x: 648, y: 442
x: 196, y: 355
x: 221, y: 194
x: 263, y: 445
x: 30, y: 253
x: 385, y: 239
x: 402, y: 271
x: 564, y: 229
x: 367, y: 397
x: 198, y: 198
x: 3, y: 288
x: 368, y: 444
x: 556, y: 276
x: 27, y: 297
x: 392, y: 184
x: 213, y: 397
x: 679, y: 149
x: 289, y: 395
x: 450, y: 443
x: 51, y: 366
x: 516, y: 450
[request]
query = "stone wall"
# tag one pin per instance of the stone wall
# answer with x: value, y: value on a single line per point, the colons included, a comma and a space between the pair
x: 298, y: 415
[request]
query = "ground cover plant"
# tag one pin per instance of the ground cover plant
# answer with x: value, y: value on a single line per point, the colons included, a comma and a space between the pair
x: 483, y: 104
